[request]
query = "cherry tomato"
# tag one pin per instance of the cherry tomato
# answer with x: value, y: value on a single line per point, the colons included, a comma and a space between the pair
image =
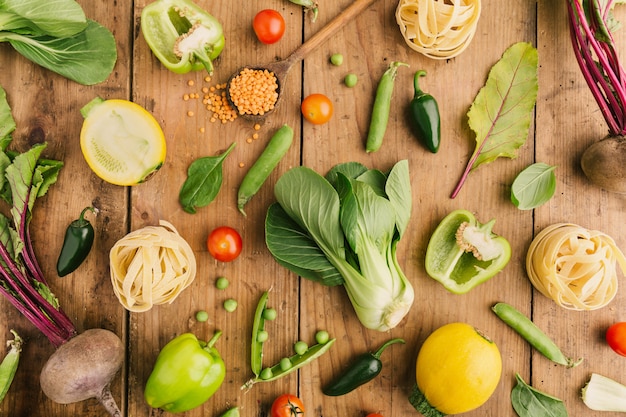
x: 287, y: 405
x: 317, y: 108
x: 616, y: 338
x: 374, y: 415
x: 224, y: 243
x: 269, y: 26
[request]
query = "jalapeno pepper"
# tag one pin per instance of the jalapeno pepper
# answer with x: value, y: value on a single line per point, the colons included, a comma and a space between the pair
x: 463, y: 253
x: 186, y: 374
x: 424, y: 116
x: 76, y: 245
x: 182, y: 35
x: 364, y: 368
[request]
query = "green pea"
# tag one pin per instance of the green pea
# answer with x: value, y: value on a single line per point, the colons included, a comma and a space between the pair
x: 322, y: 337
x: 222, y: 283
x: 350, y: 80
x: 202, y: 316
x: 275, y: 150
x: 285, y: 363
x: 258, y: 325
x: 336, y: 59
x: 300, y: 347
x: 266, y: 374
x: 262, y: 336
x: 270, y: 314
x: 230, y: 305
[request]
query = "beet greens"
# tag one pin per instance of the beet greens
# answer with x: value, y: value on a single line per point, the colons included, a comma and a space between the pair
x: 23, y: 178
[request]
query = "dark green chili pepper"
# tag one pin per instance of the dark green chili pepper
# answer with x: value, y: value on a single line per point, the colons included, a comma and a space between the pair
x: 77, y: 244
x: 364, y: 368
x: 424, y: 116
x: 381, y: 108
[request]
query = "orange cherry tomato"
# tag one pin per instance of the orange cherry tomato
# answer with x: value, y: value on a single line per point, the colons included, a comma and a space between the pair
x: 224, y: 244
x: 317, y: 108
x: 269, y: 26
x: 616, y: 338
x: 287, y: 405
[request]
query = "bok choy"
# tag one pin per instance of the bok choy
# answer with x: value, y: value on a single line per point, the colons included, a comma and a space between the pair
x: 343, y: 229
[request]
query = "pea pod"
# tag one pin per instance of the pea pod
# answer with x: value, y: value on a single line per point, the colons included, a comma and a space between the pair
x: 9, y: 364
x: 297, y: 361
x: 424, y: 116
x: 381, y: 108
x: 258, y: 325
x: 365, y: 368
x: 532, y: 334
x: 275, y: 150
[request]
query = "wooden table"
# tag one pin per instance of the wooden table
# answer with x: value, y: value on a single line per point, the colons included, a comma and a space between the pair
x: 46, y: 108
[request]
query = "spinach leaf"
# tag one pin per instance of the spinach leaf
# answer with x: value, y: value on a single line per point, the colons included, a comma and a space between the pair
x: 87, y: 58
x: 204, y: 180
x: 534, y: 186
x: 529, y: 402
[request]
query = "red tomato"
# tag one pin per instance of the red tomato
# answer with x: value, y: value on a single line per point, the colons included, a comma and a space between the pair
x: 317, y: 108
x: 616, y: 338
x: 269, y: 26
x: 224, y: 243
x: 287, y: 405
x: 374, y: 415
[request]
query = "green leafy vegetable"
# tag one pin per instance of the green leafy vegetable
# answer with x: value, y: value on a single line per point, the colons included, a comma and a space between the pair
x: 344, y: 229
x: 529, y: 402
x: 534, y: 186
x: 56, y: 35
x: 501, y: 113
x: 204, y: 180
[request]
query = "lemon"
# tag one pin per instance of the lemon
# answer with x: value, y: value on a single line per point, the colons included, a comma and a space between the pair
x: 121, y: 141
x: 457, y: 370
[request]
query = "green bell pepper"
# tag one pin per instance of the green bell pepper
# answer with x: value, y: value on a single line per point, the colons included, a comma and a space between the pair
x: 463, y: 253
x: 182, y: 35
x: 186, y: 374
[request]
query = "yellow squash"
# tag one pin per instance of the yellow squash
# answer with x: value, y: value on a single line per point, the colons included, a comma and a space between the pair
x: 121, y: 141
x: 457, y: 370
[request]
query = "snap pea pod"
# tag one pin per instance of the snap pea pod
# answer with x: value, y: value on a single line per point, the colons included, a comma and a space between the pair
x: 297, y: 361
x: 532, y: 334
x: 275, y: 150
x: 258, y: 326
x: 382, y: 108
x: 9, y: 364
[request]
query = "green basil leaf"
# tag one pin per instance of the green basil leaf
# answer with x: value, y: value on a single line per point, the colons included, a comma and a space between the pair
x: 204, y: 180
x: 534, y: 186
x: 529, y: 402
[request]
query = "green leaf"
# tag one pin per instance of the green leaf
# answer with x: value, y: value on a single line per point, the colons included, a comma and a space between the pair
x: 534, y: 186
x: 529, y: 402
x: 502, y: 111
x: 58, y: 18
x: 7, y: 123
x: 204, y: 180
x: 87, y: 57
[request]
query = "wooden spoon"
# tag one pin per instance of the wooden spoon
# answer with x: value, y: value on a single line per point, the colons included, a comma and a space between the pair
x: 281, y: 68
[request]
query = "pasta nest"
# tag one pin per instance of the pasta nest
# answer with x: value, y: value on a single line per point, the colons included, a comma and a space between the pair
x: 439, y: 29
x: 151, y: 266
x: 574, y: 266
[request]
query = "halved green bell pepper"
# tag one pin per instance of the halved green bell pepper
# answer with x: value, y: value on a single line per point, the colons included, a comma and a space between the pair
x: 186, y: 374
x: 182, y: 35
x: 463, y: 253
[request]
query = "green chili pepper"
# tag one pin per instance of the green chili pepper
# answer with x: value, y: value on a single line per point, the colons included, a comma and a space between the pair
x: 182, y: 35
x: 382, y: 107
x: 9, y: 364
x: 424, y: 116
x: 364, y: 368
x: 186, y: 374
x: 77, y: 244
x: 463, y: 253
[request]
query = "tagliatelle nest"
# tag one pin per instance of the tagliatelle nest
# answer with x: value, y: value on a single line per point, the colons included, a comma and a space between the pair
x: 574, y: 266
x: 439, y: 29
x: 151, y: 266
